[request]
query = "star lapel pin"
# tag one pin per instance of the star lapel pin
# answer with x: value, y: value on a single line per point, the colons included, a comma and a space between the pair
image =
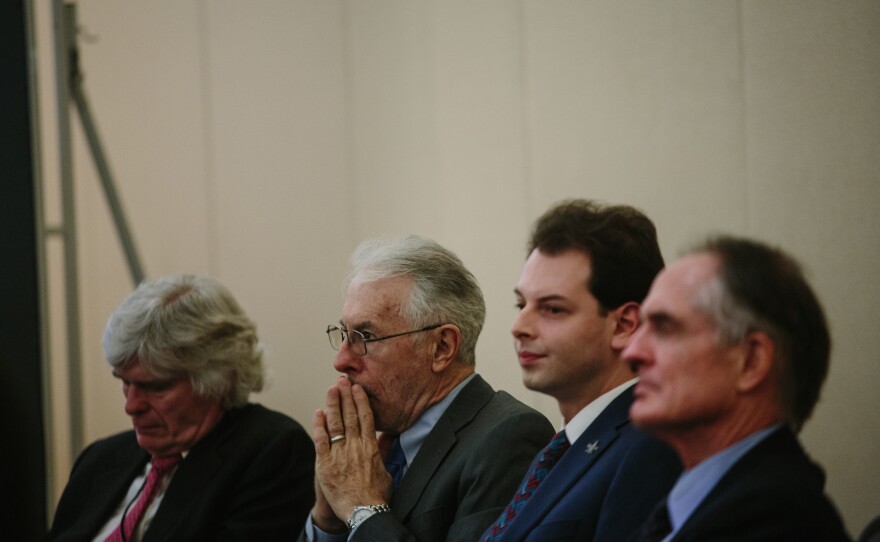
x: 592, y: 447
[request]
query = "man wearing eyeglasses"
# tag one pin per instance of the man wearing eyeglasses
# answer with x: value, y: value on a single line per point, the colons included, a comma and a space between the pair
x: 451, y: 449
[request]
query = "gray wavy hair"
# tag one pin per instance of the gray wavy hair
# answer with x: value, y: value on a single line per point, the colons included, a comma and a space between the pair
x: 443, y: 290
x: 186, y: 326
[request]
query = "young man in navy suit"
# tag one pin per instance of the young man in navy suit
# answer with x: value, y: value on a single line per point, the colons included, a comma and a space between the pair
x: 588, y: 269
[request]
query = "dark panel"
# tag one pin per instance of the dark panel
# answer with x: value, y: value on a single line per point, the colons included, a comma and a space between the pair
x: 23, y: 475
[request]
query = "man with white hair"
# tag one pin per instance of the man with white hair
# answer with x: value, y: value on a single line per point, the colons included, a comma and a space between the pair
x: 202, y: 463
x: 451, y: 449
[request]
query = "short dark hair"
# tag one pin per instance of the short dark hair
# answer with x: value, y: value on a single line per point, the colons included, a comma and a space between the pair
x: 620, y: 241
x: 764, y: 289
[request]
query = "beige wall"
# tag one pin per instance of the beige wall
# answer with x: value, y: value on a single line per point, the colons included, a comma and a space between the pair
x: 258, y: 142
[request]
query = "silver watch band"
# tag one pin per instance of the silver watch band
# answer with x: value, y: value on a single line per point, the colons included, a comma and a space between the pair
x: 361, y: 513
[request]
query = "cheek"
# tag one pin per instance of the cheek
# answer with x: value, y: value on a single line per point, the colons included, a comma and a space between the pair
x: 180, y: 412
x: 698, y: 386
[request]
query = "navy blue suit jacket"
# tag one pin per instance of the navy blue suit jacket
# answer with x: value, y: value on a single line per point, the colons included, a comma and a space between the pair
x: 774, y: 493
x: 605, y: 485
x: 250, y: 478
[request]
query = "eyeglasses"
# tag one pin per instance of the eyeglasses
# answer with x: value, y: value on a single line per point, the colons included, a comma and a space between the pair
x: 357, y: 341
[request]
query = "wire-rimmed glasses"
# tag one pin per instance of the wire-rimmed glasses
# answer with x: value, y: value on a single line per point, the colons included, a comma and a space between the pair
x: 357, y: 340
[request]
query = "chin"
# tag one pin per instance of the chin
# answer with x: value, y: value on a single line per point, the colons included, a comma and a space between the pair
x: 532, y: 381
x: 641, y: 416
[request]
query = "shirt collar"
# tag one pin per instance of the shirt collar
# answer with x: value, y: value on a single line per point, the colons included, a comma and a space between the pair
x: 582, y: 420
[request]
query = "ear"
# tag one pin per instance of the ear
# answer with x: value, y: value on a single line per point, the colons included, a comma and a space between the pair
x: 757, y: 363
x: 446, y: 345
x: 626, y: 321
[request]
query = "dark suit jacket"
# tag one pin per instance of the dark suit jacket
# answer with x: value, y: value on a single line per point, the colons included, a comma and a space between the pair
x: 774, y: 493
x: 605, y: 485
x: 250, y: 478
x: 466, y: 470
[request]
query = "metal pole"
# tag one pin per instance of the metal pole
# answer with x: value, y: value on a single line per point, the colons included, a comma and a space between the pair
x: 65, y: 35
x: 113, y: 201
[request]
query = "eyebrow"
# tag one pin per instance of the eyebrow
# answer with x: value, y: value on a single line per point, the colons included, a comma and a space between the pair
x: 357, y: 326
x: 543, y: 299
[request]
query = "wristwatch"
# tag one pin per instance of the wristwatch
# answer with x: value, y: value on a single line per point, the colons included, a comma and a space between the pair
x: 360, y: 513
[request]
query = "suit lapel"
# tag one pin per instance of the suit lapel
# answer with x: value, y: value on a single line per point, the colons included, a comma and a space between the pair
x: 574, y: 465
x: 193, y: 475
x: 470, y: 400
x: 112, y: 483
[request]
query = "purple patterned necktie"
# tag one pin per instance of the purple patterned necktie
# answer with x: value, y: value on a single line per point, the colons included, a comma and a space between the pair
x: 537, y: 472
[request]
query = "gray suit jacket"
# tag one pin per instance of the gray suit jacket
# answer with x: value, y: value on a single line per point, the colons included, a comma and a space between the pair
x: 465, y: 472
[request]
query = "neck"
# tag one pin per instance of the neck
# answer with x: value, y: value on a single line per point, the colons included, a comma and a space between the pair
x: 452, y: 377
x: 699, y: 443
x: 595, y: 388
x: 436, y: 392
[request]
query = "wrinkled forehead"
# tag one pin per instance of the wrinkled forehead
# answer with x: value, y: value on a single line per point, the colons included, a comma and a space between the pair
x: 376, y: 302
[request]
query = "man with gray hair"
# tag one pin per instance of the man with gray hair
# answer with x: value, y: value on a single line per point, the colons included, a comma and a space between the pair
x: 731, y: 356
x: 201, y: 463
x: 451, y: 449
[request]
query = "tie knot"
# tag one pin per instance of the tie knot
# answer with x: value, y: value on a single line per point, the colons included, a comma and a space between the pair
x: 559, y: 439
x: 165, y: 463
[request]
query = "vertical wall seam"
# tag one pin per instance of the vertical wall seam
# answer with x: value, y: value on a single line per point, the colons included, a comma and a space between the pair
x: 207, y: 105
x: 747, y: 181
x: 349, y: 120
x: 525, y: 124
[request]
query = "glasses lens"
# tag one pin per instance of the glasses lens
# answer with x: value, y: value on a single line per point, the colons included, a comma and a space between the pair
x: 336, y: 337
x: 356, y: 342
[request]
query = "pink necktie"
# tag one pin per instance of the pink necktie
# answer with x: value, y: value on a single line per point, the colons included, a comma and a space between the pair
x: 161, y: 467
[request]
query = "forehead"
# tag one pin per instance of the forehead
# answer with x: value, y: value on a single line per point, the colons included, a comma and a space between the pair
x: 134, y: 372
x: 676, y: 288
x: 375, y: 301
x: 566, y: 273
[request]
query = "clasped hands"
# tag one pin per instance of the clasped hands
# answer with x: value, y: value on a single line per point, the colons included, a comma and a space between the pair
x: 348, y: 472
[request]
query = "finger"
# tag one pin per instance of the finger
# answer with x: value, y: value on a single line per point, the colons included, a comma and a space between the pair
x: 364, y: 412
x: 319, y: 433
x: 333, y: 413
x: 349, y: 411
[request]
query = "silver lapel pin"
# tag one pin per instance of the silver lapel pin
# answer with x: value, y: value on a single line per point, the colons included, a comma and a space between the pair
x: 592, y: 447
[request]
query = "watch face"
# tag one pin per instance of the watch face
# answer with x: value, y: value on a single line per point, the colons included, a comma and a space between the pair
x: 361, y: 514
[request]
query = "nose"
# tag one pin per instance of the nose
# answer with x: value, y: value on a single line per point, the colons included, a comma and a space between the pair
x: 522, y: 324
x: 135, y: 401
x: 637, y: 353
x: 346, y: 361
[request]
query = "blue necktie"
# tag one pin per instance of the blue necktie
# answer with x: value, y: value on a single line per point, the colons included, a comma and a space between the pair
x: 658, y: 525
x: 394, y: 462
